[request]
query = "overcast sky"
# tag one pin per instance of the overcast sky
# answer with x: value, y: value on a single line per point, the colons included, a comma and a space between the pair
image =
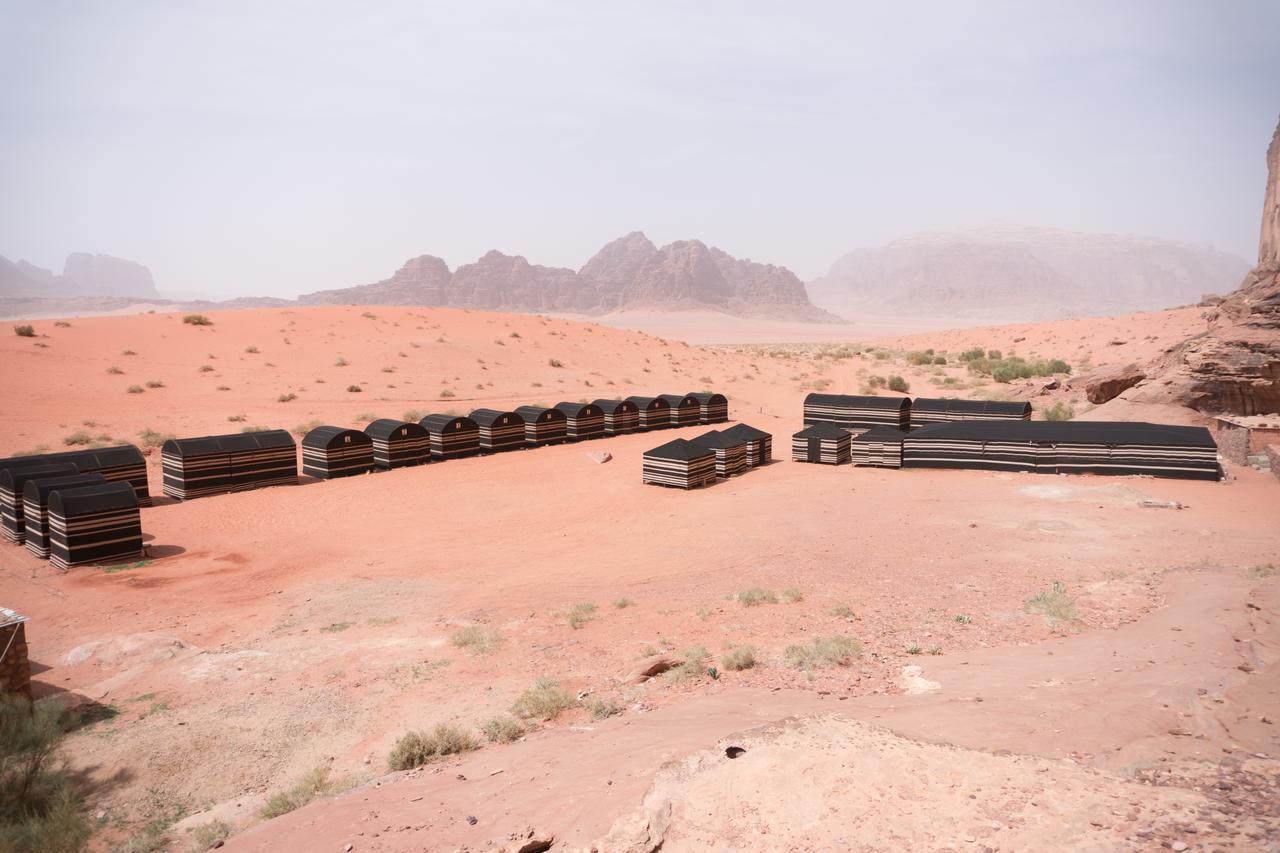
x: 282, y: 147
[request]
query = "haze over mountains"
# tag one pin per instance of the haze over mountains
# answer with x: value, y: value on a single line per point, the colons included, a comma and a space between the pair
x: 1009, y: 273
x: 83, y: 274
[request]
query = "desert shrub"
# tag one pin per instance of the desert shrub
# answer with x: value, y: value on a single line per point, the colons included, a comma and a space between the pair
x: 579, y: 614
x: 793, y: 595
x: 251, y: 350
x: 877, y: 381
x: 416, y: 748
x: 919, y: 358
x: 545, y: 700
x: 840, y: 610
x: 77, y: 439
x: 153, y: 438
x: 897, y: 383
x: 623, y: 602
x: 1015, y: 367
x: 250, y: 429
x: 973, y: 354
x: 235, y: 419
x: 312, y: 784
x: 206, y: 836
x: 477, y: 639
x: 445, y: 392
x: 502, y: 729
x: 135, y: 389
x: 1059, y: 412
x: 115, y: 371
x: 415, y: 415
x: 739, y: 658
x: 62, y: 324
x: 693, y: 666
x: 940, y: 359
x: 354, y: 389
x: 756, y: 596
x: 39, y: 808
x: 304, y: 428
x: 1053, y: 604
x: 197, y: 320
x: 602, y: 709
x: 154, y: 383
x: 555, y: 362
x: 24, y: 331
x: 994, y: 355
x: 1057, y: 365
x: 823, y: 653
x: 287, y: 398
x: 206, y: 368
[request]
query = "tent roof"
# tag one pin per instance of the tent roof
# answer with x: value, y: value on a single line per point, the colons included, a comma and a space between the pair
x: 678, y: 400
x: 238, y: 442
x: 718, y: 440
x: 579, y: 410
x: 533, y: 413
x: 101, y: 457
x: 614, y: 405
x: 681, y: 450
x: 488, y: 417
x: 387, y: 427
x: 977, y: 407
x: 860, y: 402
x: 439, y: 423
x: 1081, y: 432
x: 646, y: 402
x: 324, y: 436
x: 881, y: 433
x: 746, y: 432
x: 87, y: 499
x: 708, y: 397
x: 38, y: 489
x: 10, y: 617
x: 14, y: 478
x: 822, y: 430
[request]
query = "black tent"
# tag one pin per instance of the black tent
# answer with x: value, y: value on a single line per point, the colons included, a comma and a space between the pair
x: 620, y: 416
x: 332, y: 451
x: 582, y: 420
x: 228, y: 463
x: 759, y: 443
x: 855, y: 414
x: 685, y: 410
x: 35, y: 506
x: 878, y: 448
x: 926, y: 411
x: 451, y: 436
x: 730, y: 451
x: 823, y: 442
x: 499, y: 430
x: 398, y: 444
x: 712, y: 408
x: 91, y: 524
x: 122, y: 463
x: 543, y: 425
x: 1068, y: 447
x: 12, y: 480
x: 654, y: 412
x: 679, y: 463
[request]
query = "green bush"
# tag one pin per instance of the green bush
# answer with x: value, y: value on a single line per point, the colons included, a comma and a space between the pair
x: 418, y: 748
x: 39, y: 808
x: 897, y: 383
x: 24, y: 331
x: 546, y: 700
x: 197, y: 320
x: 1059, y: 412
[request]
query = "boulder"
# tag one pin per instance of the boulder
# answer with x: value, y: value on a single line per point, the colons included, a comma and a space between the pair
x: 1107, y: 385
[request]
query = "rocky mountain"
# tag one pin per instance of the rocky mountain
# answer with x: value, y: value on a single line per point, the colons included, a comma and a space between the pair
x: 83, y: 274
x: 630, y: 272
x: 1014, y: 273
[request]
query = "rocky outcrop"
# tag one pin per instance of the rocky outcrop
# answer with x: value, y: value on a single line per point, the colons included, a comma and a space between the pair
x: 1234, y: 365
x: 630, y: 272
x: 83, y: 274
x: 1102, y: 387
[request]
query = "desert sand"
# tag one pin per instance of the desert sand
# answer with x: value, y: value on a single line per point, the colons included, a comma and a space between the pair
x: 277, y: 631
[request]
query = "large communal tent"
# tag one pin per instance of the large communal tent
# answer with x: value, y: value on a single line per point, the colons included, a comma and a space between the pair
x: 927, y: 410
x: 654, y: 412
x: 228, y: 463
x: 1068, y: 447
x: 685, y: 410
x: 499, y: 430
x: 12, y: 481
x: 91, y: 524
x: 542, y: 425
x: 759, y: 443
x: 35, y: 506
x: 823, y: 442
x: 398, y: 444
x: 582, y: 420
x: 620, y: 416
x: 855, y: 414
x: 332, y: 451
x: 731, y: 452
x: 122, y: 463
x: 878, y: 448
x: 452, y: 436
x: 679, y: 463
x: 712, y: 408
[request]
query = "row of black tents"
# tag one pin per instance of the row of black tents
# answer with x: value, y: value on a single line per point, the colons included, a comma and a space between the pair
x: 700, y: 461
x: 893, y: 432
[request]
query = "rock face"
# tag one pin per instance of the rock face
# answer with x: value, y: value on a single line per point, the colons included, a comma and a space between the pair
x: 82, y: 275
x: 1234, y: 365
x: 1102, y: 387
x: 628, y: 273
x: 1017, y: 273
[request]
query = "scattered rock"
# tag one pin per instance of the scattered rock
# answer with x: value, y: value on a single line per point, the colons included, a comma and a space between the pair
x: 1107, y: 385
x: 651, y: 668
x: 600, y: 456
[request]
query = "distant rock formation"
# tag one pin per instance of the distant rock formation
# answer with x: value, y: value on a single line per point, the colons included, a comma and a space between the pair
x: 1013, y: 273
x: 83, y: 274
x: 1234, y: 365
x: 628, y: 273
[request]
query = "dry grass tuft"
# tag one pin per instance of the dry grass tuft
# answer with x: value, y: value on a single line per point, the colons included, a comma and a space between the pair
x: 477, y: 639
x: 823, y: 653
x: 502, y: 729
x: 739, y: 658
x: 313, y: 784
x: 1054, y: 604
x: 417, y: 748
x: 545, y: 700
x: 579, y: 614
x: 756, y: 596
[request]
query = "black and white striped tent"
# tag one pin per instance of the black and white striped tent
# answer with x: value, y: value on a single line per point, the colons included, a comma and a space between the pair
x: 332, y: 451
x: 823, y: 442
x: 499, y: 430
x: 620, y: 416
x: 582, y: 420
x: 543, y: 425
x: 679, y: 463
x: 926, y: 411
x: 685, y: 410
x: 398, y: 444
x: 122, y: 463
x: 731, y: 452
x: 654, y: 412
x: 228, y: 463
x: 759, y: 443
x: 92, y: 524
x: 1069, y: 447
x: 35, y: 506
x: 878, y: 448
x: 452, y: 436
x: 12, y: 481
x: 855, y: 414
x: 712, y: 408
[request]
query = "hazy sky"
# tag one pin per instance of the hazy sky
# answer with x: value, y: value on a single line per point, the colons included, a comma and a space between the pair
x: 282, y: 147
